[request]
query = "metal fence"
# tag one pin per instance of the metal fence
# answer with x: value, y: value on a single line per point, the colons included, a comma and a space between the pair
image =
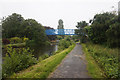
x: 60, y: 32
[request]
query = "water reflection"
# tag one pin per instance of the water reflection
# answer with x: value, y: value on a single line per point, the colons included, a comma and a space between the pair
x: 50, y: 49
x: 38, y: 51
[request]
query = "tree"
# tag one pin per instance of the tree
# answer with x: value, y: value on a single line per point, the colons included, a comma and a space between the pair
x: 100, y: 24
x: 105, y: 29
x: 51, y: 37
x: 15, y: 26
x: 113, y: 33
x: 60, y: 24
x: 12, y: 25
x: 35, y: 32
x: 60, y: 27
x: 80, y: 31
x: 81, y: 24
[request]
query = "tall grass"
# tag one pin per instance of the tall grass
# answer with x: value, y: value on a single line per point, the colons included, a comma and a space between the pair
x: 106, y: 58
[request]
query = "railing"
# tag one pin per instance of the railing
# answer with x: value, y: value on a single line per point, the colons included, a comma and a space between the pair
x: 60, y: 32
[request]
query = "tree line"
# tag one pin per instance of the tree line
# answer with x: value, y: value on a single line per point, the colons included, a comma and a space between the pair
x: 104, y: 29
x: 16, y: 26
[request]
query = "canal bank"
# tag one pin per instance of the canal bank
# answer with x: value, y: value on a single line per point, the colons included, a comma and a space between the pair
x: 45, y: 67
x: 39, y: 51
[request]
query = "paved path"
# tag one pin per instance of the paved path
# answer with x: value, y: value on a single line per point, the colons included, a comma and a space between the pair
x: 73, y: 66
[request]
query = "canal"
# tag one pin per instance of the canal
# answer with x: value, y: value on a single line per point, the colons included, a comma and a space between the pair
x: 49, y: 49
x: 41, y: 50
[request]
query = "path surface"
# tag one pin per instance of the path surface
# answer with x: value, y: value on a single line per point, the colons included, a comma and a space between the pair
x: 73, y: 66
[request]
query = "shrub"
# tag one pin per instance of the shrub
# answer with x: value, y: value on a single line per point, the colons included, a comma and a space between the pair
x: 15, y: 40
x: 31, y: 43
x: 47, y: 43
x: 25, y: 39
x: 63, y: 44
x: 16, y: 60
x: 59, y: 37
x: 43, y: 57
x: 76, y: 40
x: 40, y: 59
x: 5, y: 41
x: 68, y: 38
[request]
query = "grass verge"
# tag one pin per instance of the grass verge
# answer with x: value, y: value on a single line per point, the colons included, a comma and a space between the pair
x: 102, y: 61
x: 93, y: 69
x: 43, y: 68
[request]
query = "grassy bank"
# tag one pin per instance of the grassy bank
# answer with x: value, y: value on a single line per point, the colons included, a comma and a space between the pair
x: 45, y: 67
x: 102, y: 61
x: 92, y: 67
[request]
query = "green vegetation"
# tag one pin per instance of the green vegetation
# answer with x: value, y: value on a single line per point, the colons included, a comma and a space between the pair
x: 106, y: 58
x: 16, y: 60
x: 15, y: 40
x: 80, y: 31
x: 64, y: 43
x: 44, y: 56
x: 101, y: 50
x: 16, y: 27
x: 22, y: 58
x: 59, y: 37
x: 15, y: 45
x: 60, y: 27
x: 104, y: 43
x: 28, y: 33
x: 45, y: 67
x: 104, y: 29
x: 12, y: 26
x: 93, y: 69
x: 60, y: 24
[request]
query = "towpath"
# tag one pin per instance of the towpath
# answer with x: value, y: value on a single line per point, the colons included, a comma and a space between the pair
x: 73, y: 65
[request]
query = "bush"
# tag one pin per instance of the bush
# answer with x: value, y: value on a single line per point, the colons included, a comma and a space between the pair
x: 16, y: 60
x: 16, y: 40
x: 59, y: 37
x: 68, y: 38
x: 43, y: 57
x: 76, y: 40
x: 25, y: 39
x: 63, y: 44
x: 40, y: 59
x: 5, y: 41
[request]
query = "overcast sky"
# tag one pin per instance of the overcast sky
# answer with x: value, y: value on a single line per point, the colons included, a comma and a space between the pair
x: 48, y: 12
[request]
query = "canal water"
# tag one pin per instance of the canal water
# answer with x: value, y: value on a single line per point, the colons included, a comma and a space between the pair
x: 41, y: 50
x: 49, y: 49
